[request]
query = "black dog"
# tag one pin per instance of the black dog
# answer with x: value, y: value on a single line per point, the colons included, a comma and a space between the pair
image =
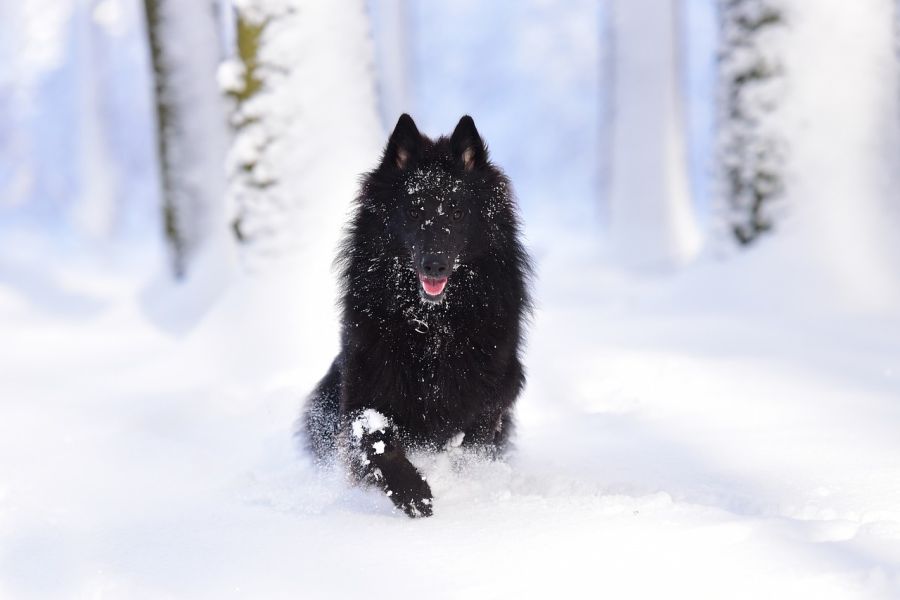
x: 435, y: 292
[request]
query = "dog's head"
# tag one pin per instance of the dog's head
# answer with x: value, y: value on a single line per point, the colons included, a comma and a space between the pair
x: 432, y: 201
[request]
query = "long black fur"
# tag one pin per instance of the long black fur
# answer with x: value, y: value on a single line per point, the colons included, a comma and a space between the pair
x: 415, y: 371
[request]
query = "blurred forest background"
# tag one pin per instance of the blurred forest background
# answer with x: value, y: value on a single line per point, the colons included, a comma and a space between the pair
x: 655, y: 127
x: 711, y: 193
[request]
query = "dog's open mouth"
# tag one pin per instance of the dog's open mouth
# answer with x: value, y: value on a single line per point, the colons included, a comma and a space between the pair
x: 433, y: 287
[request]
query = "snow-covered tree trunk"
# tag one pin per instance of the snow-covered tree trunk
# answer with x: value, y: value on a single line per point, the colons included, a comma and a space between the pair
x: 391, y: 27
x: 840, y: 119
x: 751, y: 150
x: 897, y: 30
x: 240, y: 77
x: 192, y: 127
x: 306, y: 120
x: 95, y: 214
x: 651, y: 213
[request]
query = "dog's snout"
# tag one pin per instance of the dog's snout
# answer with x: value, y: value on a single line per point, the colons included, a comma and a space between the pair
x: 435, y: 265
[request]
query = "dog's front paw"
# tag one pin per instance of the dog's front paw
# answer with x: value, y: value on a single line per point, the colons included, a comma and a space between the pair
x: 409, y: 492
x: 416, y: 506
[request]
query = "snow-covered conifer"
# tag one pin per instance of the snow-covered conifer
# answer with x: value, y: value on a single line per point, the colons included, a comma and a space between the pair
x: 751, y: 150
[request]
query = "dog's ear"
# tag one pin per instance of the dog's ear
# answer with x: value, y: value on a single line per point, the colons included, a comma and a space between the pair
x: 467, y: 146
x: 404, y: 144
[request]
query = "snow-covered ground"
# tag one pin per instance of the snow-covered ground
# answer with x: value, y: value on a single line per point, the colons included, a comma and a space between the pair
x: 708, y: 434
x: 728, y: 430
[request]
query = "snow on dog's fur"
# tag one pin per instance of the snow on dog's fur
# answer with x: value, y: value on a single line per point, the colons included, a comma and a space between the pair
x: 435, y: 292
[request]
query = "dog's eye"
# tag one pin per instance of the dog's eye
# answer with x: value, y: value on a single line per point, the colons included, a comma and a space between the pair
x: 457, y: 214
x: 414, y: 213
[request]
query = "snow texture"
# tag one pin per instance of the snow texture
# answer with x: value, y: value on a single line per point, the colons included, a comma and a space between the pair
x: 369, y: 421
x: 676, y: 434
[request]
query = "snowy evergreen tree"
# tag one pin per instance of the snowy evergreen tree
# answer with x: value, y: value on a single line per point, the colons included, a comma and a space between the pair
x: 651, y: 213
x: 751, y: 150
x: 191, y: 123
x: 304, y: 116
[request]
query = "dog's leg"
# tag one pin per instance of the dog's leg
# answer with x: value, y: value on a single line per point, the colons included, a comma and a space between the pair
x: 490, y: 434
x: 320, y: 419
x: 375, y: 456
x: 489, y: 437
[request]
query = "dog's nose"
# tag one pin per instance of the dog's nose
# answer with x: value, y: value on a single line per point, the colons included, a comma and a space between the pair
x: 435, y: 265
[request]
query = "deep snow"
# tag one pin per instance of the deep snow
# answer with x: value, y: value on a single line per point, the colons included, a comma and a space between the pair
x: 727, y: 431
x: 679, y: 437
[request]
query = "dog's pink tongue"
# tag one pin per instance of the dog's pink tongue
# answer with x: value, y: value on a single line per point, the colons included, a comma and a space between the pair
x: 433, y: 287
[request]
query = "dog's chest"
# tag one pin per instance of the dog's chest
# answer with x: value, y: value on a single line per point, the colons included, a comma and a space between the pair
x: 434, y: 358
x: 440, y: 373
